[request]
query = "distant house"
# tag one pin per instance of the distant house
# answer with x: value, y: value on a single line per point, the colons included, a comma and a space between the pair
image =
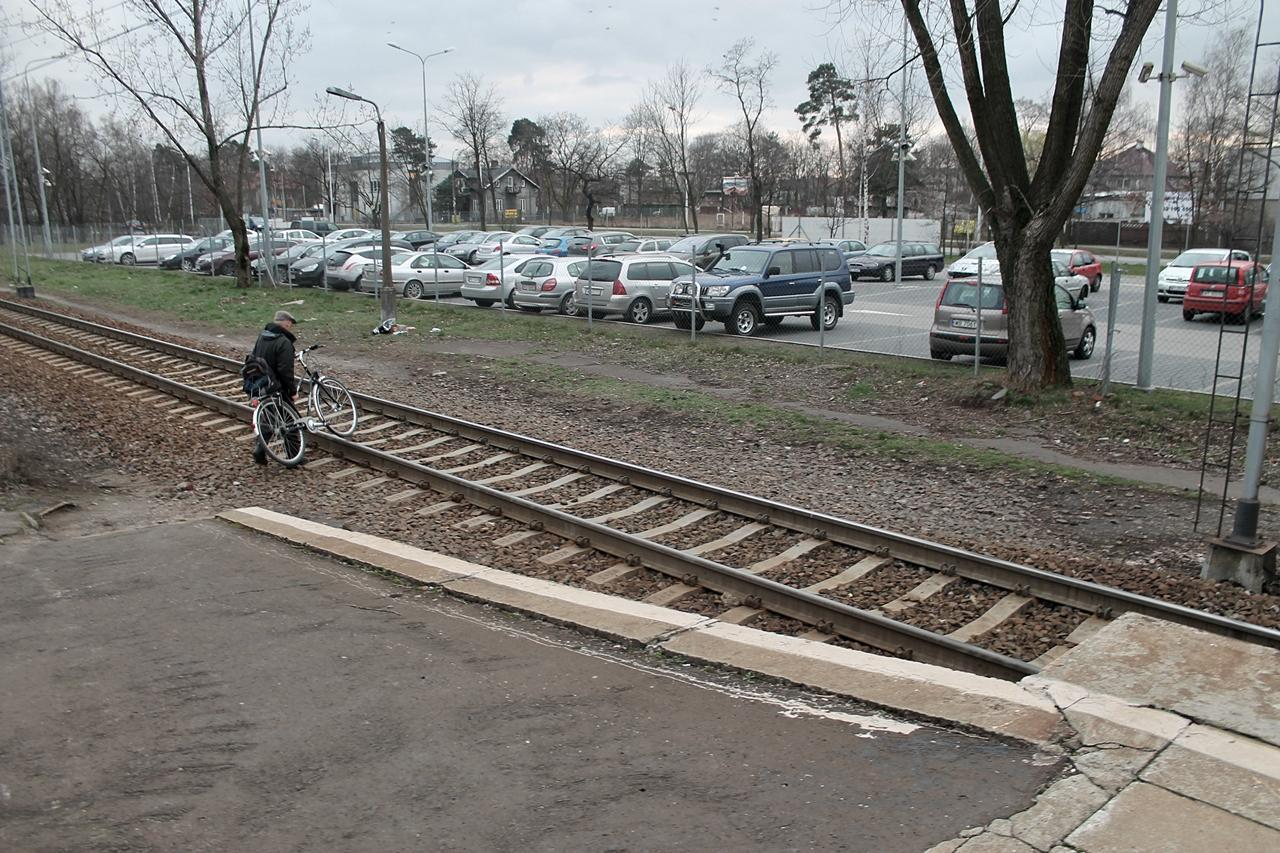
x: 1120, y: 188
x: 518, y: 197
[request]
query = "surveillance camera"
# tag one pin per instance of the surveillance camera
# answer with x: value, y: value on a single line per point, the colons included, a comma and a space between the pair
x: 1145, y: 74
x: 1192, y: 68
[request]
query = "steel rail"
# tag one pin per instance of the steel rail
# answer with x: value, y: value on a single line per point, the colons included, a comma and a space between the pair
x: 862, y: 626
x: 1104, y: 601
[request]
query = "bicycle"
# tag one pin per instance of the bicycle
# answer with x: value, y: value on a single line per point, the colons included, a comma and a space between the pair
x: 282, y: 431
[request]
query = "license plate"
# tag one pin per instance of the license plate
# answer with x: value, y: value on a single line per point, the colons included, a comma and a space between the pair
x: 1213, y: 294
x: 595, y: 291
x: 528, y: 285
x: 964, y: 324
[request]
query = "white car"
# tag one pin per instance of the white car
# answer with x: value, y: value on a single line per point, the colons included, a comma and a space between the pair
x: 1172, y: 281
x: 516, y: 244
x: 968, y: 265
x: 417, y: 274
x: 297, y: 235
x: 96, y: 254
x: 347, y: 234
x: 143, y: 248
x: 492, y: 282
x: 346, y: 268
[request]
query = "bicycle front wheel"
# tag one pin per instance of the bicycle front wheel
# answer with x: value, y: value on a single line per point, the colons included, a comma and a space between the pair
x: 280, y: 432
x: 333, y: 404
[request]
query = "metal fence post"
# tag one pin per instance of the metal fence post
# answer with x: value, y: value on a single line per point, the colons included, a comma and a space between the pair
x: 977, y: 332
x: 1113, y: 304
x: 502, y: 281
x: 693, y: 307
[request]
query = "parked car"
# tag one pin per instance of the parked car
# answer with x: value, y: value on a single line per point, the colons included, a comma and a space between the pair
x: 705, y: 249
x: 418, y: 274
x: 319, y: 226
x: 350, y: 234
x: 1171, y: 283
x: 967, y: 265
x: 548, y: 283
x: 603, y: 242
x: 538, y: 231
x: 297, y: 235
x: 955, y: 317
x: 1082, y: 263
x: 481, y: 246
x: 637, y: 245
x: 223, y: 262
x: 512, y: 244
x: 491, y: 282
x: 418, y: 238
x: 879, y: 261
x: 144, y: 248
x: 566, y: 245
x: 1236, y: 290
x: 186, y: 257
x: 361, y: 268
x: 453, y: 238
x: 638, y: 287
x: 762, y: 285
x: 565, y: 231
x: 281, y: 263
x: 851, y: 248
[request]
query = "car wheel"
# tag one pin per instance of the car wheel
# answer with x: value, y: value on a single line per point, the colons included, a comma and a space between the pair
x: 1096, y: 284
x: 227, y: 268
x: 1188, y: 315
x: 358, y: 284
x: 1084, y: 349
x: 484, y: 303
x: 830, y: 314
x: 188, y: 264
x: 568, y: 305
x: 886, y: 275
x: 413, y: 290
x: 940, y: 354
x: 929, y: 273
x: 471, y: 258
x: 510, y: 301
x: 1162, y: 298
x: 745, y: 320
x: 1084, y: 292
x: 639, y: 311
x: 127, y: 259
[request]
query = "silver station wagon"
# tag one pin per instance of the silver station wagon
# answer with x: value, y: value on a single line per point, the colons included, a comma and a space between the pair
x: 636, y: 286
x: 548, y: 283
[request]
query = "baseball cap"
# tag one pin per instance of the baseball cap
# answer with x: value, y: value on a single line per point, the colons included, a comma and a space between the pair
x: 282, y: 316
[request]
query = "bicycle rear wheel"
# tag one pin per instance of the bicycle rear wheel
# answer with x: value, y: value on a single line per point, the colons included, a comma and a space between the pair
x: 280, y: 431
x: 333, y: 404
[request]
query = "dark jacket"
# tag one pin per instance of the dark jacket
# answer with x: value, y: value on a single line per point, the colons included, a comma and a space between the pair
x: 275, y: 345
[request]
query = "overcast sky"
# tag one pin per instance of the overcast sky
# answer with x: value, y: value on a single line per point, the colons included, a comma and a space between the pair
x: 593, y: 57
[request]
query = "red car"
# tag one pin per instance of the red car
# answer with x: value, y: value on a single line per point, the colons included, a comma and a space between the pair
x: 1235, y: 290
x: 1082, y: 263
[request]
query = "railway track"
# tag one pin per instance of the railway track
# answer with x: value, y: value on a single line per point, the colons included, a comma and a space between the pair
x: 845, y: 580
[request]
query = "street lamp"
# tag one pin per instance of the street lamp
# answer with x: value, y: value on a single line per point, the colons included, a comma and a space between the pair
x: 684, y: 161
x: 387, y: 293
x: 426, y: 136
x: 1159, y: 173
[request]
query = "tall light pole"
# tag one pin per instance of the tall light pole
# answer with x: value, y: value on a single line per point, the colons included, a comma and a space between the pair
x: 40, y: 173
x: 265, y: 239
x: 902, y: 151
x: 386, y: 293
x: 684, y: 161
x: 426, y: 135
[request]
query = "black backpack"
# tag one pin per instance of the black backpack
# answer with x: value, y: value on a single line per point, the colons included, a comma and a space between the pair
x: 257, y: 374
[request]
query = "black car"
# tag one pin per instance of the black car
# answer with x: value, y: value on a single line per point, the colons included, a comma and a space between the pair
x: 318, y: 226
x: 922, y: 259
x: 419, y: 238
x: 186, y: 259
x: 705, y: 249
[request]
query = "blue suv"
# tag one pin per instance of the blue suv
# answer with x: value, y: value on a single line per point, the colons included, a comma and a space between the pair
x: 761, y: 285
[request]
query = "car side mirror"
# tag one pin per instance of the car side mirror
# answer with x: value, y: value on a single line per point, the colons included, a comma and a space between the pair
x: 772, y: 271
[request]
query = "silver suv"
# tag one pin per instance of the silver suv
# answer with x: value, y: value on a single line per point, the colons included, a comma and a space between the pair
x: 635, y: 286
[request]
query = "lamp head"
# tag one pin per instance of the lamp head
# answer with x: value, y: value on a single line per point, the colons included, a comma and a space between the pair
x: 1145, y: 74
x: 343, y: 93
x: 1194, y: 70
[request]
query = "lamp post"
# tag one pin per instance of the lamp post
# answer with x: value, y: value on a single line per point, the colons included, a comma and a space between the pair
x: 684, y: 161
x: 40, y: 172
x: 1159, y: 172
x: 387, y: 293
x: 426, y: 136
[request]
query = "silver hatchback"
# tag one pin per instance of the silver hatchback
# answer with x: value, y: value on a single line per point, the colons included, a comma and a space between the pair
x: 548, y: 283
x: 636, y: 286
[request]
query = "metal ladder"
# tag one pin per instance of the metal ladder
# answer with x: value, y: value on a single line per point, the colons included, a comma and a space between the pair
x: 1223, y: 428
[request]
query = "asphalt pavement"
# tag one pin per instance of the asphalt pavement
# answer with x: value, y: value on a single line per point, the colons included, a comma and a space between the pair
x: 195, y: 687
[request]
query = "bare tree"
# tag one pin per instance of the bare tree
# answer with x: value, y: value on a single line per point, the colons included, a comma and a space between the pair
x: 669, y: 108
x: 474, y: 111
x: 1026, y: 210
x: 194, y: 71
x: 585, y: 156
x: 747, y: 80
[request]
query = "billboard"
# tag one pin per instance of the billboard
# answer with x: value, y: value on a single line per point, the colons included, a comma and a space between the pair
x: 735, y: 185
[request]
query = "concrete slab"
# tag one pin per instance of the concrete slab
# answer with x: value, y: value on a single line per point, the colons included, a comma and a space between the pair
x: 986, y: 704
x: 1101, y: 720
x: 1112, y: 768
x: 1148, y: 819
x: 1062, y: 807
x: 197, y: 686
x: 607, y: 615
x: 1225, y: 683
x: 1234, y: 773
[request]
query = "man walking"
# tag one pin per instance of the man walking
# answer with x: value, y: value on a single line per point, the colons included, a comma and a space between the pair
x: 275, y: 347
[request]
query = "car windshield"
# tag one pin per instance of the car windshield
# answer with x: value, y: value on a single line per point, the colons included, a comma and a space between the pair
x: 887, y: 250
x: 749, y: 261
x: 986, y: 251
x: 964, y: 294
x: 495, y: 263
x: 1198, y: 256
x: 688, y: 244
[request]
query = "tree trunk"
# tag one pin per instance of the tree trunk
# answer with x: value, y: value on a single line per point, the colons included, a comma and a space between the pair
x: 1032, y: 307
x: 479, y: 189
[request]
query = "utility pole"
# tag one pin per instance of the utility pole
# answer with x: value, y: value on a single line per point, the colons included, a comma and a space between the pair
x: 426, y: 134
x: 40, y: 174
x: 265, y: 239
x: 15, y: 204
x: 902, y: 151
